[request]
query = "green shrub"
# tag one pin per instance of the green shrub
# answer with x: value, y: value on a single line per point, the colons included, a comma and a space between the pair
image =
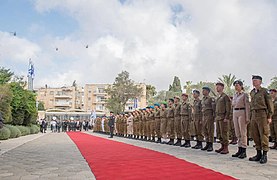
x: 15, y: 132
x: 4, y: 133
x: 24, y: 130
x: 34, y: 129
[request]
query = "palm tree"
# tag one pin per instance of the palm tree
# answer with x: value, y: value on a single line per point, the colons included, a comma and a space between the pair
x: 273, y: 83
x: 228, y: 81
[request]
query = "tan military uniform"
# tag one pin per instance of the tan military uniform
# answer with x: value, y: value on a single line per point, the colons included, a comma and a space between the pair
x: 273, y: 125
x: 261, y: 110
x: 186, y: 117
x: 170, y: 122
x: 148, y: 123
x: 163, y: 117
x: 208, y: 112
x: 177, y: 121
x: 152, y: 124
x: 157, y: 123
x: 197, y: 117
x: 223, y: 110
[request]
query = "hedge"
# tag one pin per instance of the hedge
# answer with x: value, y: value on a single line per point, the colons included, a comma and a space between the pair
x: 15, y: 132
x: 34, y: 129
x: 4, y: 133
x: 24, y: 130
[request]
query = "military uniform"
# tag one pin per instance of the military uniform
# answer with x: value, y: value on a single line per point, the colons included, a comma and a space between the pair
x: 232, y: 133
x: 208, y: 112
x: 261, y: 110
x: 148, y: 124
x: 273, y: 125
x: 186, y: 118
x: 197, y: 117
x: 152, y: 126
x: 158, y: 124
x: 177, y: 124
x: 163, y: 117
x: 140, y: 124
x: 223, y: 110
x: 170, y: 124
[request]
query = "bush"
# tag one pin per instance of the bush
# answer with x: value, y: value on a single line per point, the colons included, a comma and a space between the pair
x: 34, y: 129
x: 24, y: 130
x: 4, y: 133
x: 15, y: 132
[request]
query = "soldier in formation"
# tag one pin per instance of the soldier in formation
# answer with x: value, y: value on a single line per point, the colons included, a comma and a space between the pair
x: 176, y: 119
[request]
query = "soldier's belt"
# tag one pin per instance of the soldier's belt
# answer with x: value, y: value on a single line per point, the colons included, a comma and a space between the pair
x: 184, y: 115
x: 259, y: 110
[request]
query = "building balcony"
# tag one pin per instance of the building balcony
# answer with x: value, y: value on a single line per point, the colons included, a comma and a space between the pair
x: 62, y: 105
x: 62, y: 96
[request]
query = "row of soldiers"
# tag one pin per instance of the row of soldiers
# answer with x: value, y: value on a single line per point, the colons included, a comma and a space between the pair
x: 173, y: 119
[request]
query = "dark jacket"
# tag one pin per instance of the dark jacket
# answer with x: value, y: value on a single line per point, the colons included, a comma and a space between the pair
x: 111, y: 121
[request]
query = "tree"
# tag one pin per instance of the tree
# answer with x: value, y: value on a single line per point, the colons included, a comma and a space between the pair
x: 228, y: 81
x: 122, y: 90
x: 5, y: 101
x: 41, y: 106
x: 273, y: 83
x: 150, y: 93
x: 176, y: 85
x: 5, y: 75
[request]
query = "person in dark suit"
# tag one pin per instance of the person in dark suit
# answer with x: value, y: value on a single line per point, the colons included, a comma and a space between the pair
x: 111, y: 124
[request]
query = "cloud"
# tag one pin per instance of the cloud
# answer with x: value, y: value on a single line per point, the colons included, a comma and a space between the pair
x: 155, y: 40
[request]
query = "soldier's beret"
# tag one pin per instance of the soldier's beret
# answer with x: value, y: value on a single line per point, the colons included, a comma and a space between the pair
x: 196, y: 91
x: 257, y: 77
x: 164, y: 103
x: 177, y: 97
x: 184, y: 94
x: 272, y: 90
x: 206, y: 88
x: 238, y: 82
x: 151, y: 107
x: 157, y: 104
x: 111, y: 111
x: 144, y: 109
x: 147, y: 107
x: 170, y: 99
x: 219, y: 84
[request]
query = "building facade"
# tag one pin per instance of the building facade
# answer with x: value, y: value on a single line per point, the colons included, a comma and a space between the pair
x: 90, y: 98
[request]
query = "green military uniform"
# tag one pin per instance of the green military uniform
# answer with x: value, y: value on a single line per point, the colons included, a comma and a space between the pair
x: 163, y: 117
x: 140, y: 124
x: 177, y: 123
x: 148, y: 123
x: 152, y: 126
x: 170, y: 124
x: 158, y: 124
x: 208, y: 112
x: 186, y: 118
x: 135, y: 125
x: 197, y: 117
x: 261, y: 110
x: 273, y: 125
x: 223, y: 110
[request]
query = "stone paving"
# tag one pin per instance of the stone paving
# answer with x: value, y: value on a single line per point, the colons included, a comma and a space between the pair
x: 238, y: 168
x: 51, y: 156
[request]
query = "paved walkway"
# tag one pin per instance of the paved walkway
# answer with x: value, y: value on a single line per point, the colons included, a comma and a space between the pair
x: 51, y: 156
x: 241, y: 169
x: 55, y: 156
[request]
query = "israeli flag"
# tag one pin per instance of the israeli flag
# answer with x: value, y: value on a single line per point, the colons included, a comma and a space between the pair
x: 31, y: 70
x: 93, y: 116
x: 135, y: 103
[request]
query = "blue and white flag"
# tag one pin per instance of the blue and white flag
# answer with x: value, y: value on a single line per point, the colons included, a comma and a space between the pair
x: 136, y: 103
x: 93, y: 116
x: 31, y: 70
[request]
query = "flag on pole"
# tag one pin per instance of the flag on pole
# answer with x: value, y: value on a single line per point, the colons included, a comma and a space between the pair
x: 135, y: 103
x: 31, y: 70
x: 93, y: 116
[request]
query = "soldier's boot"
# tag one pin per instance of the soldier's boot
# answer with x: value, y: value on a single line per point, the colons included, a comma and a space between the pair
x: 237, y: 153
x: 206, y: 147
x: 234, y: 141
x: 186, y: 144
x: 170, y: 142
x: 243, y: 153
x: 145, y: 138
x: 141, y: 137
x: 178, y: 143
x: 159, y: 140
x: 149, y: 139
x: 210, y: 147
x: 199, y: 145
x: 257, y: 157
x: 194, y: 147
x: 220, y: 149
x: 153, y: 139
x: 274, y: 146
x: 225, y: 149
x: 263, y: 159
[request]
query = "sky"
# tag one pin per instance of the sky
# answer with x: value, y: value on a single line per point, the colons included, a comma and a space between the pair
x: 154, y: 40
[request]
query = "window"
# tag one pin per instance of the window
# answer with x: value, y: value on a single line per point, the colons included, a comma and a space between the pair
x: 130, y: 108
x: 51, y: 92
x: 89, y: 98
x: 89, y: 91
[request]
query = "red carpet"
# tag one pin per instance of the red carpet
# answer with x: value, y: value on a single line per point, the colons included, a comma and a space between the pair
x: 114, y: 160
